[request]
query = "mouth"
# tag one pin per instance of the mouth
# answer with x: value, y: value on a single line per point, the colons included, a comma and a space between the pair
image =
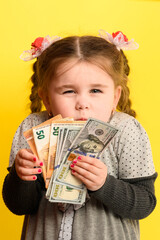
x: 81, y: 119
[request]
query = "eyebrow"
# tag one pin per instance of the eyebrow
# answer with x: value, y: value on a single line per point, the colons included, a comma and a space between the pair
x: 97, y: 85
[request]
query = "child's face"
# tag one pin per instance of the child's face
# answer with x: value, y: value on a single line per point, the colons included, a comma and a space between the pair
x: 83, y: 91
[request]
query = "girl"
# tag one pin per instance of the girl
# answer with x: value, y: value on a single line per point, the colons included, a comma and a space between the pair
x: 84, y: 77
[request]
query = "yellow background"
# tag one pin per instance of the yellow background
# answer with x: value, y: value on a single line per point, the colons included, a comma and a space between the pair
x: 22, y: 21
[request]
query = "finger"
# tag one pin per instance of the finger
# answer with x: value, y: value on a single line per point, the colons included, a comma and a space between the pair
x: 81, y: 166
x: 28, y: 173
x: 88, y: 182
x: 90, y: 164
x: 29, y: 178
x: 92, y: 161
x: 26, y: 154
x: 83, y: 173
x: 26, y: 158
x: 92, y: 183
x: 91, y: 171
x: 29, y: 150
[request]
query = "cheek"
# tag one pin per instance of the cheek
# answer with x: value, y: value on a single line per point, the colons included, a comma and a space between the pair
x: 55, y: 103
x: 59, y: 106
x: 104, y: 110
x: 106, y: 103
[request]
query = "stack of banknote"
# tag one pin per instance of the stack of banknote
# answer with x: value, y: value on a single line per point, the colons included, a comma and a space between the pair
x: 57, y: 142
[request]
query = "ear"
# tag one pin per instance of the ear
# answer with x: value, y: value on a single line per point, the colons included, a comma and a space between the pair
x: 117, y: 95
x: 45, y: 100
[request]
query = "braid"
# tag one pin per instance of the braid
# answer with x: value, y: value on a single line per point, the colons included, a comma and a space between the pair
x: 125, y: 62
x: 124, y: 103
x: 36, y: 103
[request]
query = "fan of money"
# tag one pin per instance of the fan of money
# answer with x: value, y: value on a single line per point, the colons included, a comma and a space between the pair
x: 57, y: 142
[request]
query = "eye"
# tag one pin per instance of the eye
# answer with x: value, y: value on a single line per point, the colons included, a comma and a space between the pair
x: 68, y: 92
x: 96, y: 91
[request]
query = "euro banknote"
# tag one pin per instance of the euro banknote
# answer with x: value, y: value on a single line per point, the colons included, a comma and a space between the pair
x: 30, y: 138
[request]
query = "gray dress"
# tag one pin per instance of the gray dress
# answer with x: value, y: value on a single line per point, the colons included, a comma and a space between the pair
x: 112, y: 212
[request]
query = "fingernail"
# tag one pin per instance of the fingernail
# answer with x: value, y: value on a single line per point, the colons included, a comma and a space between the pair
x: 73, y: 171
x: 79, y: 158
x: 75, y: 161
x: 34, y: 178
x: 72, y: 165
x: 34, y: 159
x: 39, y: 170
x: 41, y: 164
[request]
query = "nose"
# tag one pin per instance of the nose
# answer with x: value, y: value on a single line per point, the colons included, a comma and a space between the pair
x: 82, y: 103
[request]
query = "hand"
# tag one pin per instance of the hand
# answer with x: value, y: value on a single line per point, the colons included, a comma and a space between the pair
x: 91, y: 171
x: 25, y: 164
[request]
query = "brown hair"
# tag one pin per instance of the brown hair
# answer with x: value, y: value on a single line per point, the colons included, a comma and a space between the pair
x: 91, y: 49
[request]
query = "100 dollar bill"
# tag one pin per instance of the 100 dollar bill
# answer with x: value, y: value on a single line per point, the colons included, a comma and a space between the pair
x: 69, y: 134
x: 91, y: 141
x: 64, y: 194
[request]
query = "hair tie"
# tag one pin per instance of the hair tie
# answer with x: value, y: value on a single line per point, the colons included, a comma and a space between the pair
x: 38, y: 46
x: 119, y: 40
x: 41, y: 43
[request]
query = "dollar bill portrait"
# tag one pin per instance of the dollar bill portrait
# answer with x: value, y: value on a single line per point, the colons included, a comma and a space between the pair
x: 90, y: 145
